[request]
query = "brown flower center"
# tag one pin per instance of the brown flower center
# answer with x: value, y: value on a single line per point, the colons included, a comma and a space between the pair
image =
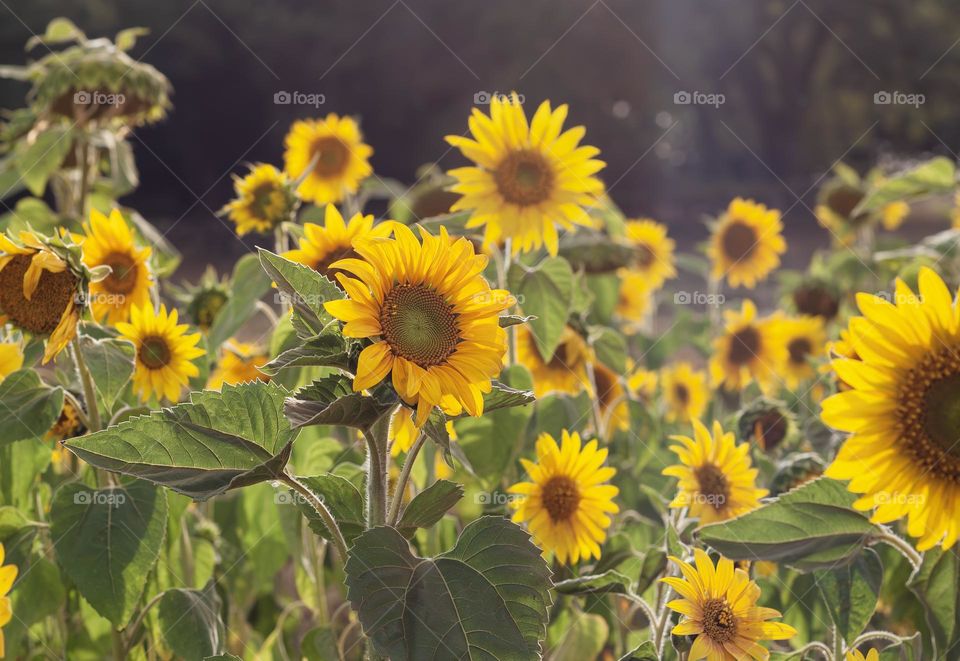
x: 323, y: 264
x: 738, y: 241
x: 419, y: 324
x: 524, y: 178
x: 154, y: 352
x: 770, y: 429
x: 682, y: 393
x: 844, y: 200
x: 123, y: 276
x: 42, y: 313
x: 560, y: 358
x: 332, y: 157
x: 799, y: 349
x: 560, y: 497
x: 714, y: 487
x: 744, y: 346
x: 606, y: 387
x: 929, y: 414
x: 267, y: 201
x: 205, y: 307
x: 719, y: 621
x: 816, y: 301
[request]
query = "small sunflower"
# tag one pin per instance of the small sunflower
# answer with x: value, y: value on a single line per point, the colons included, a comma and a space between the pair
x: 433, y: 319
x: 892, y: 215
x: 204, y: 300
x: 164, y: 352
x: 903, y: 410
x: 641, y: 382
x: 805, y: 340
x: 857, y: 655
x: 8, y: 574
x: 685, y: 392
x: 654, y: 251
x: 264, y: 199
x: 565, y: 372
x: 746, y: 244
x: 611, y: 398
x: 748, y: 349
x: 322, y: 245
x: 527, y: 178
x: 239, y: 363
x: 717, y: 480
x: 11, y: 358
x: 68, y: 424
x: 335, y: 148
x: 719, y: 607
x: 567, y: 503
x: 634, y: 299
x: 109, y: 242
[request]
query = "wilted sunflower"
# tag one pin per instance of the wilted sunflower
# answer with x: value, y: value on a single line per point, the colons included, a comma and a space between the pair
x: 746, y: 243
x: 611, y: 398
x: 767, y: 422
x: 264, y: 199
x: 805, y: 340
x: 634, y: 299
x: 685, y: 392
x: 719, y: 607
x: 567, y: 503
x: 654, y: 251
x: 565, y: 372
x: 748, y: 349
x: 322, y: 245
x: 8, y: 574
x: 902, y: 410
x: 857, y: 655
x: 527, y: 178
x: 109, y: 242
x: 11, y: 358
x: 433, y: 317
x: 239, y: 363
x: 164, y: 352
x: 43, y: 285
x: 340, y: 158
x: 717, y: 480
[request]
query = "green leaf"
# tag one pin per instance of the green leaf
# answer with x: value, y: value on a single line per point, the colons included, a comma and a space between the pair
x: 938, y: 175
x: 645, y: 652
x: 40, y: 158
x: 595, y: 253
x: 218, y: 441
x: 30, y: 213
x: 328, y: 349
x: 331, y: 401
x: 544, y: 291
x: 28, y: 407
x: 935, y: 584
x: 508, y: 320
x: 190, y: 622
x: 320, y: 644
x: 610, y: 347
x: 306, y: 289
x: 583, y: 638
x: 248, y: 284
x: 127, y: 39
x: 108, y: 541
x: 342, y: 499
x: 40, y: 593
x: 810, y: 527
x: 58, y: 31
x: 111, y: 363
x: 850, y: 593
x: 609, y: 581
x: 429, y: 506
x: 485, y: 598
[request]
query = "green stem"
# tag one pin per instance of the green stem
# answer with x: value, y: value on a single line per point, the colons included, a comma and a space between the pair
x: 820, y: 647
x: 377, y: 441
x: 877, y: 635
x: 321, y: 510
x: 89, y: 393
x: 404, y: 478
x: 911, y: 554
x: 837, y: 644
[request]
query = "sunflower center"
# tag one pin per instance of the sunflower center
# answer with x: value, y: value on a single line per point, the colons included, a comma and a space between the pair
x: 419, y: 324
x: 559, y: 359
x: 560, y: 497
x: 323, y: 264
x: 682, y: 393
x: 719, y: 621
x: 739, y: 241
x: 844, y: 200
x: 267, y: 200
x: 524, y: 178
x: 154, y: 352
x: 714, y: 487
x: 42, y: 313
x: 770, y: 429
x: 606, y: 388
x: 123, y: 274
x: 799, y: 349
x: 332, y: 156
x: 744, y: 346
x: 816, y: 301
x: 205, y: 307
x: 929, y: 414
x: 645, y: 255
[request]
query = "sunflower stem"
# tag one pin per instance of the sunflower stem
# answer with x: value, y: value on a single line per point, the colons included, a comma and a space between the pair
x: 837, y: 644
x: 404, y: 478
x: 820, y: 647
x: 89, y: 393
x: 377, y: 442
x: 321, y: 509
x: 897, y: 542
x: 877, y: 635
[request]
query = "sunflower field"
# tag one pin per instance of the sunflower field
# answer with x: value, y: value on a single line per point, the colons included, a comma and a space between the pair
x: 488, y: 416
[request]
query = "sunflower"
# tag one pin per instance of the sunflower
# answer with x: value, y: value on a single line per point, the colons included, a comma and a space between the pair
x: 685, y: 392
x: 611, y: 398
x: 654, y: 251
x: 902, y: 410
x: 339, y: 158
x: 748, y: 349
x: 805, y: 340
x: 527, y: 178
x: 565, y: 372
x: 42, y: 287
x: 404, y: 433
x: 641, y: 382
x: 716, y: 476
x: 857, y: 655
x: 204, y: 300
x: 11, y: 358
x: 433, y: 317
x: 8, y: 574
x: 264, y: 199
x: 322, y: 245
x: 719, y: 607
x: 239, y: 363
x: 634, y: 299
x: 746, y: 244
x: 164, y: 352
x: 767, y: 422
x: 109, y: 242
x: 567, y: 502
x: 68, y: 424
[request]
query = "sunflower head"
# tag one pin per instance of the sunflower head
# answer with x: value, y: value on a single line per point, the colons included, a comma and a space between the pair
x: 203, y: 300
x: 11, y: 357
x: 767, y: 422
x: 653, y: 251
x: 565, y: 372
x: 567, y: 489
x: 322, y: 245
x: 264, y: 199
x: 327, y: 157
x: 611, y: 398
x: 805, y: 339
x: 685, y: 392
x: 748, y: 349
x: 746, y: 243
x: 816, y: 298
x: 635, y: 298
x: 68, y: 424
x: 716, y: 478
x: 8, y: 574
x: 239, y: 363
x: 527, y: 178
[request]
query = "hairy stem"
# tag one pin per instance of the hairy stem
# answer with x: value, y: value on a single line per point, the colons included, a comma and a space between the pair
x: 89, y: 393
x: 377, y: 442
x: 886, y: 535
x: 321, y: 510
x: 404, y: 478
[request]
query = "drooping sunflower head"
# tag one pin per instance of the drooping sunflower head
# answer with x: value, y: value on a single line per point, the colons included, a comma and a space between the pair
x: 567, y: 503
x: 322, y: 245
x: 716, y: 477
x: 8, y: 574
x: 264, y: 199
x: 431, y: 316
x: 748, y: 349
x: 165, y: 351
x: 611, y: 398
x: 108, y: 241
x: 902, y: 410
x: 805, y: 339
x: 328, y: 157
x: 766, y: 422
x: 565, y: 372
x: 654, y: 251
x: 746, y: 243
x: 719, y: 607
x: 634, y: 299
x: 239, y: 363
x: 685, y: 392
x: 528, y: 177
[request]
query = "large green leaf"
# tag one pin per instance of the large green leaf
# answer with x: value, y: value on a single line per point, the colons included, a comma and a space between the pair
x: 190, y: 622
x: 851, y: 592
x: 485, y: 598
x: 331, y: 401
x: 247, y: 285
x: 810, y: 527
x: 936, y: 586
x: 328, y: 349
x: 583, y: 637
x: 38, y: 159
x: 108, y: 541
x: 429, y: 506
x: 342, y: 499
x: 111, y: 363
x: 544, y: 291
x: 938, y: 175
x: 306, y: 289
x: 28, y: 407
x: 218, y: 441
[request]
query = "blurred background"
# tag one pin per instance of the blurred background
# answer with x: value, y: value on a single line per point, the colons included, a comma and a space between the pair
x: 690, y: 102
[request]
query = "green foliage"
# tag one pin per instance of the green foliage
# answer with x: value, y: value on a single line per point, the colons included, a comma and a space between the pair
x: 341, y: 497
x: 111, y: 365
x: 28, y: 407
x: 190, y: 623
x: 544, y: 291
x: 429, y: 506
x: 851, y: 592
x: 303, y: 288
